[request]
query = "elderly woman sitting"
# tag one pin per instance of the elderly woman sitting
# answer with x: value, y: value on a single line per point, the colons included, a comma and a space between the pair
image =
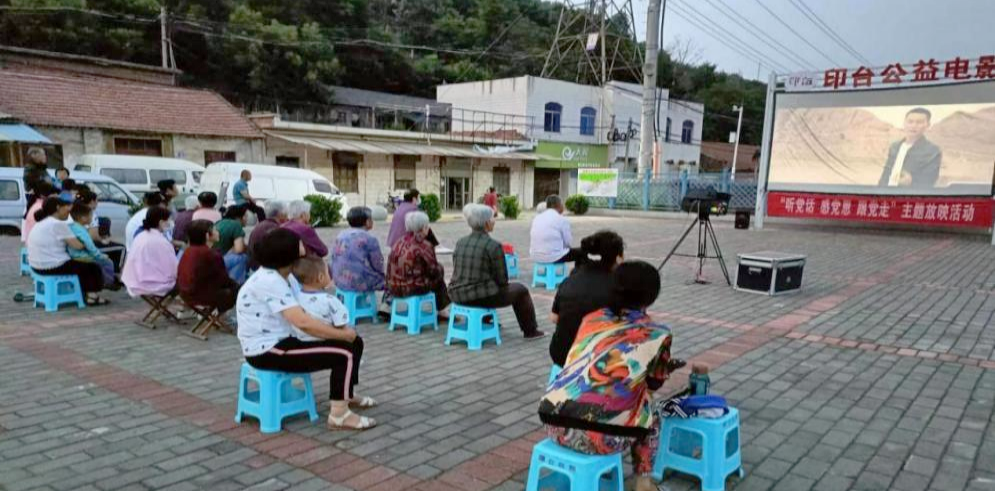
x: 480, y: 276
x: 231, y: 242
x: 269, y: 319
x: 412, y: 268
x: 47, y: 248
x: 201, y: 276
x: 299, y: 213
x: 150, y: 266
x: 357, y: 262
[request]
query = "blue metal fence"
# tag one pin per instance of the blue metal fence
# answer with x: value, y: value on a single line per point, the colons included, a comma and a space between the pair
x: 665, y: 191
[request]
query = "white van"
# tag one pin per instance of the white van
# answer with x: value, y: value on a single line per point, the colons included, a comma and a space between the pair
x: 140, y: 174
x: 268, y: 182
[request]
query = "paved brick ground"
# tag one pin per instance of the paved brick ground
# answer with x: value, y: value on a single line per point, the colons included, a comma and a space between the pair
x: 879, y: 375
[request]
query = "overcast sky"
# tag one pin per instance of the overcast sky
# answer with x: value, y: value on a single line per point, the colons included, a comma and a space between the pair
x: 882, y: 31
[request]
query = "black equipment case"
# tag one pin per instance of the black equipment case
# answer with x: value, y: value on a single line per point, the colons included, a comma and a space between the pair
x: 769, y: 273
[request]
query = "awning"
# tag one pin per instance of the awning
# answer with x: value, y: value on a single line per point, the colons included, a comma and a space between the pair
x: 398, y: 148
x: 22, y: 133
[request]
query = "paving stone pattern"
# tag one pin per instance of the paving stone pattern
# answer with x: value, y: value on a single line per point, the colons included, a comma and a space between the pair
x: 880, y: 374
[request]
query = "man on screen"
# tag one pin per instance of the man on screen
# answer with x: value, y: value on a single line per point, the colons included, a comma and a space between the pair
x: 914, y: 161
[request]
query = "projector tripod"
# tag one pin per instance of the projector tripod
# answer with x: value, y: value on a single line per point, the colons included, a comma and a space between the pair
x: 706, y: 235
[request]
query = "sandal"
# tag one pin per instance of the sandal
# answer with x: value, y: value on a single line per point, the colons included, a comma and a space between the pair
x: 364, y: 402
x: 97, y: 301
x: 336, y: 424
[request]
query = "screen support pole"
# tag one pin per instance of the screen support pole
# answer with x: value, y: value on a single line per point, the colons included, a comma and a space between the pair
x: 764, y: 163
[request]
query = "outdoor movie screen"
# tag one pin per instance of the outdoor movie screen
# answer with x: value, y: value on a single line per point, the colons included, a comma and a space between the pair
x: 937, y: 140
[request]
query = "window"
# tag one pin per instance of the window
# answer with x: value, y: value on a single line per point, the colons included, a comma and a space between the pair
x: 324, y: 187
x: 109, y: 193
x: 666, y: 136
x: 345, y: 171
x: 196, y: 176
x: 687, y: 131
x: 126, y: 176
x: 404, y: 171
x: 156, y: 175
x: 9, y: 191
x: 587, y: 117
x: 502, y: 180
x: 212, y: 156
x: 83, y: 168
x: 551, y: 124
x: 138, y: 146
x: 288, y: 161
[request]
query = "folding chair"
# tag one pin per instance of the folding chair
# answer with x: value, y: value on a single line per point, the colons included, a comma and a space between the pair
x: 209, y: 319
x: 158, y: 306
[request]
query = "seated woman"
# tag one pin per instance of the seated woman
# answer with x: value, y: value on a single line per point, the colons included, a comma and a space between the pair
x: 588, y: 288
x: 201, y: 276
x: 231, y: 242
x: 299, y: 222
x: 42, y: 191
x: 268, y: 313
x: 357, y: 263
x: 150, y: 266
x: 47, y: 249
x: 600, y: 403
x: 412, y: 268
x: 113, y: 250
x: 480, y: 276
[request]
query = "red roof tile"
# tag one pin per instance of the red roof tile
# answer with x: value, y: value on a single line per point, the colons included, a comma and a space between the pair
x: 115, y: 104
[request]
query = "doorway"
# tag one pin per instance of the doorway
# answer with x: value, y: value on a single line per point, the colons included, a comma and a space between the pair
x: 547, y: 182
x: 455, y: 192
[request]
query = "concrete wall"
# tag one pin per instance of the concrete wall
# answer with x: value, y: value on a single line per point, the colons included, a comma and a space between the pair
x: 504, y: 96
x: 520, y: 178
x: 573, y: 97
x: 192, y: 148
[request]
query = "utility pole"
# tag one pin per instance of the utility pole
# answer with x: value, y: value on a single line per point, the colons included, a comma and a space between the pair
x: 646, y: 133
x: 735, y: 149
x: 604, y: 41
x: 164, y: 39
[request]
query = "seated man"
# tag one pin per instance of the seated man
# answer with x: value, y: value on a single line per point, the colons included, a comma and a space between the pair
x: 412, y: 268
x: 276, y: 216
x: 550, y: 235
x: 357, y: 261
x: 231, y: 242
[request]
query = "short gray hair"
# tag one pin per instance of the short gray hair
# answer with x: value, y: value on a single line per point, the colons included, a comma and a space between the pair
x: 477, y: 215
x: 297, y: 208
x: 274, y: 208
x: 191, y: 203
x: 416, y: 221
x: 35, y: 152
x: 553, y: 201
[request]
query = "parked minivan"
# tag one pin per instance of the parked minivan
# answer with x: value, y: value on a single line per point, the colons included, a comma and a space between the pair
x: 115, y: 202
x: 268, y: 182
x: 140, y: 174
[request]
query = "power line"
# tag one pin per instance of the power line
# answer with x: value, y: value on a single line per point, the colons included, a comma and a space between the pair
x: 718, y: 35
x: 785, y: 51
x: 821, y: 24
x: 792, y: 29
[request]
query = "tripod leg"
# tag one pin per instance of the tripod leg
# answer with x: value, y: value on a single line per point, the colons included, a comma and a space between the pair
x: 702, y: 249
x: 718, y: 252
x: 674, y: 249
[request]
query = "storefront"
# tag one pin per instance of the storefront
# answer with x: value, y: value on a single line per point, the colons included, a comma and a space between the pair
x: 559, y: 175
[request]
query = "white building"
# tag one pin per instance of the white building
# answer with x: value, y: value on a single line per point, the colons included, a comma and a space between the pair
x: 586, y: 126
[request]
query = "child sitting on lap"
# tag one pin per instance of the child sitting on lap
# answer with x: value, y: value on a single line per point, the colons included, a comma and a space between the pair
x: 82, y: 215
x: 313, y: 296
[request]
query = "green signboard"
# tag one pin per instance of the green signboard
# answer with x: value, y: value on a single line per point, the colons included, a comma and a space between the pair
x: 571, y: 155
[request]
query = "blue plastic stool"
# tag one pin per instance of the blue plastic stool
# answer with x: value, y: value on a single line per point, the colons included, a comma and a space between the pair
x: 511, y: 260
x: 275, y: 399
x: 702, y: 447
x: 552, y: 274
x: 571, y: 470
x: 553, y: 372
x: 413, y: 317
x: 472, y: 329
x: 52, y: 291
x: 359, y: 305
x: 25, y: 267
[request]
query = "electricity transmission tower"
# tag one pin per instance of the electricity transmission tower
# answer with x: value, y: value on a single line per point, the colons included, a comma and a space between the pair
x: 595, y: 43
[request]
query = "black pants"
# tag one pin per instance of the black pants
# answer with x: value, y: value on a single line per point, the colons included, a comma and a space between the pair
x: 519, y: 298
x: 575, y: 255
x: 91, y: 278
x: 254, y: 208
x: 440, y: 290
x: 296, y: 356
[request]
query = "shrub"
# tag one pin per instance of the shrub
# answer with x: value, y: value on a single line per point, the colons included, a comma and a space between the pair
x: 578, y: 204
x: 325, y: 212
x: 508, y: 206
x: 430, y: 205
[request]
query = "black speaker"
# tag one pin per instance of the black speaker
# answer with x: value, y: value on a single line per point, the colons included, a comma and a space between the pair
x: 742, y: 220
